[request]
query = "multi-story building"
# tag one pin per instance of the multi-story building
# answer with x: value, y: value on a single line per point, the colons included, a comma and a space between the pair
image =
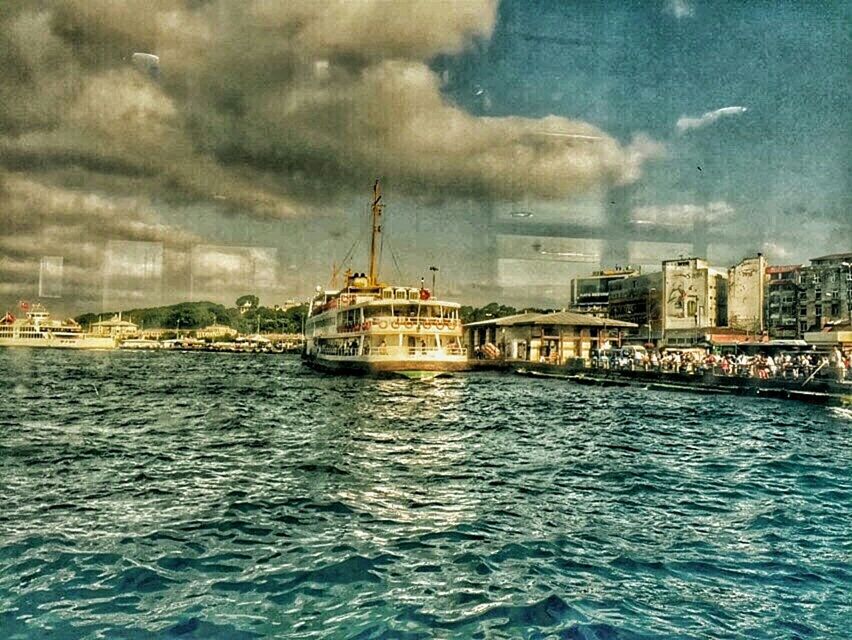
x: 639, y: 299
x: 746, y: 286
x: 590, y: 294
x: 826, y: 295
x: 781, y: 314
x: 695, y: 295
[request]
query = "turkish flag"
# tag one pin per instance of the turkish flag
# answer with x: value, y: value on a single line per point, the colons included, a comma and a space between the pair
x: 424, y: 294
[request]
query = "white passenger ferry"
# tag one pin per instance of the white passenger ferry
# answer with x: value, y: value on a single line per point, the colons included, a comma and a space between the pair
x: 371, y: 327
x: 38, y: 330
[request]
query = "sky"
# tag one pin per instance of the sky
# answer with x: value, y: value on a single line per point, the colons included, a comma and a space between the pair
x: 176, y: 149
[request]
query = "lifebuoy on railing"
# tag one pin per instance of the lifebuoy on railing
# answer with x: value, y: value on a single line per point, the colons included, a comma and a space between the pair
x: 383, y: 324
x: 394, y: 324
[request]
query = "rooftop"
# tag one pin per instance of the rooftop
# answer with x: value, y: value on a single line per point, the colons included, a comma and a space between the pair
x: 564, y: 318
x: 834, y: 256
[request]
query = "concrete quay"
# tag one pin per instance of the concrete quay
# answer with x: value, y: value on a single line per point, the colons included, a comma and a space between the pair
x: 817, y: 391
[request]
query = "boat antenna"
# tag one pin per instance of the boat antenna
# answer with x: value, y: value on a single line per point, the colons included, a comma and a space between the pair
x: 376, y: 209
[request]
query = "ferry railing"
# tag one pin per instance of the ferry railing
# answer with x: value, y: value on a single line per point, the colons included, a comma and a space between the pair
x: 398, y: 323
x: 394, y: 351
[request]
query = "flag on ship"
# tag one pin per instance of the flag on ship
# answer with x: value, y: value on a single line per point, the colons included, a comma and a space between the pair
x: 25, y: 306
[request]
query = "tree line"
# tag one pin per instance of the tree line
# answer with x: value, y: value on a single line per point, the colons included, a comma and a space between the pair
x: 245, y: 318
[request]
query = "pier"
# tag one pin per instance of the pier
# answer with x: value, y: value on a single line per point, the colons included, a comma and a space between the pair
x: 816, y: 391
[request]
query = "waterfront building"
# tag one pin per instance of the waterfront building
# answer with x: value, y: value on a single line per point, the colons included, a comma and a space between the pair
x: 826, y: 295
x: 216, y: 332
x: 116, y: 328
x: 590, y: 293
x: 746, y: 285
x: 555, y: 338
x: 639, y: 299
x: 694, y: 295
x: 781, y: 314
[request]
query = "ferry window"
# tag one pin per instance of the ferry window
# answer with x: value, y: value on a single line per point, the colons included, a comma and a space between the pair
x: 400, y: 295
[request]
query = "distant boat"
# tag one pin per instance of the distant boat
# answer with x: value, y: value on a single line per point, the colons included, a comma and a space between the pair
x: 371, y: 327
x: 38, y: 330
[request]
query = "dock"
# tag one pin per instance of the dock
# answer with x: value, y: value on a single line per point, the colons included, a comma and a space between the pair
x: 817, y: 391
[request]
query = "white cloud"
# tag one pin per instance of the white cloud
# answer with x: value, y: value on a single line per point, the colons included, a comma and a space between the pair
x: 686, y: 123
x: 682, y: 215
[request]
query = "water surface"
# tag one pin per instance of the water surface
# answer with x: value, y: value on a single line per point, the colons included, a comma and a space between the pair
x: 158, y: 495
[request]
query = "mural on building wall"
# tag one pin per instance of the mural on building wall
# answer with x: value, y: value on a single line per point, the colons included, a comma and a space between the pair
x: 681, y: 294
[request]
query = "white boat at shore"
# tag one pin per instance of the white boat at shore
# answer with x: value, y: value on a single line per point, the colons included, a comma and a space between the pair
x: 372, y: 327
x: 38, y: 330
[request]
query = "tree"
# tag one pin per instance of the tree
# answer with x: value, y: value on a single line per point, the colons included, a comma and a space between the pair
x: 189, y: 317
x: 251, y: 300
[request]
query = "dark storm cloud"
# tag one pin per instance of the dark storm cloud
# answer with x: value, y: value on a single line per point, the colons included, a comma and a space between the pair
x: 276, y: 108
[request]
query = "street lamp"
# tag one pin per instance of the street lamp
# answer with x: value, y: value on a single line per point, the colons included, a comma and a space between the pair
x: 651, y: 291
x: 434, y: 271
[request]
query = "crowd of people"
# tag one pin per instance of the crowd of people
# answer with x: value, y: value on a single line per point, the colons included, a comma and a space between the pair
x: 761, y: 365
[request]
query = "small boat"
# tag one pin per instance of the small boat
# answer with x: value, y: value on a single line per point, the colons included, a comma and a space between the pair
x: 372, y: 327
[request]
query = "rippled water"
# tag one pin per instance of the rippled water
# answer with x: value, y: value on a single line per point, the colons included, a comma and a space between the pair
x: 154, y: 495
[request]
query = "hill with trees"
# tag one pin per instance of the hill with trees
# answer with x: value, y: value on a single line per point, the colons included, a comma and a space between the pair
x: 196, y: 315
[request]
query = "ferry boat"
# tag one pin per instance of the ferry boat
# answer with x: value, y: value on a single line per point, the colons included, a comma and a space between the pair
x: 372, y: 327
x: 38, y: 330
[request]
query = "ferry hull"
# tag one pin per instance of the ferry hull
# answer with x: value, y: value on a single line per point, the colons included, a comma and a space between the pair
x: 59, y: 343
x: 412, y: 368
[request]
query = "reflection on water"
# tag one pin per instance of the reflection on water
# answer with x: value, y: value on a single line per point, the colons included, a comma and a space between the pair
x: 219, y: 496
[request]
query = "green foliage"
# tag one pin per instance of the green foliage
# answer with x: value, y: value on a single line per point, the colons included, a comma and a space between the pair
x: 196, y: 315
x: 491, y: 310
x: 252, y: 300
x: 269, y: 320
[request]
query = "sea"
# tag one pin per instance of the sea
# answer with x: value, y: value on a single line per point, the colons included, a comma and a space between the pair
x: 203, y: 495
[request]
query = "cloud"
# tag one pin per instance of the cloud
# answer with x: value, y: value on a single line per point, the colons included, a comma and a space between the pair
x: 682, y: 215
x: 275, y: 109
x: 45, y: 220
x: 685, y: 123
x: 679, y: 8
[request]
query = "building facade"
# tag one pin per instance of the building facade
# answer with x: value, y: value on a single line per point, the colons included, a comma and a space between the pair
x: 216, y: 331
x: 554, y: 338
x: 694, y: 295
x: 639, y: 300
x: 115, y: 327
x: 590, y: 294
x: 826, y: 292
x: 781, y: 313
x: 746, y: 283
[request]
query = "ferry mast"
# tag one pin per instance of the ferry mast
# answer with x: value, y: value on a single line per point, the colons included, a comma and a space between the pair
x: 377, y: 229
